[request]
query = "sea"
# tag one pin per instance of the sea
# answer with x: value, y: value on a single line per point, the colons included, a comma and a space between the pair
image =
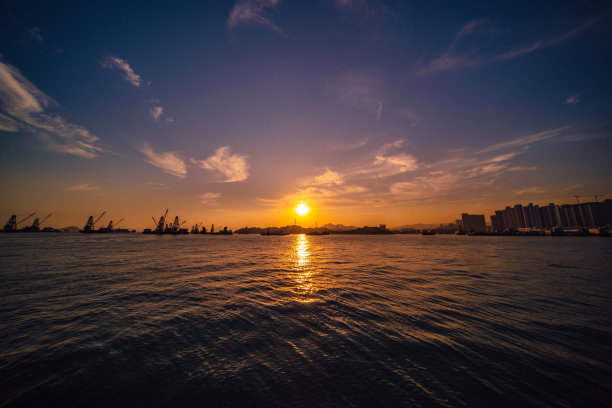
x: 132, y: 320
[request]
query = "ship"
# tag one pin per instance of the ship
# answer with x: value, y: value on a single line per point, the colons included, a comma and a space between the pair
x: 165, y: 229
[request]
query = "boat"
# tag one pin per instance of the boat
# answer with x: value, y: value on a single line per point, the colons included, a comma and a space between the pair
x: 428, y: 232
x: 276, y: 232
x: 165, y: 229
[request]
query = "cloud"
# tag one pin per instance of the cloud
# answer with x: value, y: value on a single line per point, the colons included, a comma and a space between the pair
x: 528, y: 139
x: 233, y: 166
x: 329, y: 177
x: 574, y: 99
x: 36, y: 33
x: 350, y: 146
x: 529, y: 190
x: 517, y: 52
x: 208, y: 198
x: 390, y: 175
x: 253, y: 12
x: 128, y: 74
x: 156, y: 112
x: 82, y: 187
x: 25, y: 108
x: 170, y: 162
x: 413, y: 117
x: 520, y: 51
x: 452, y: 60
x: 361, y: 91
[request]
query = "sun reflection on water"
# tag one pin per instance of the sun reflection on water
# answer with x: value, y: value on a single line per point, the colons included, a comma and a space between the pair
x: 304, y: 272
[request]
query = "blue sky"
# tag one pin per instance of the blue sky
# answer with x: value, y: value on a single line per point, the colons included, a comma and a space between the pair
x: 369, y: 111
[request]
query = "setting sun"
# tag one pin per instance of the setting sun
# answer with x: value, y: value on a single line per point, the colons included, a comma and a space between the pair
x: 302, y: 209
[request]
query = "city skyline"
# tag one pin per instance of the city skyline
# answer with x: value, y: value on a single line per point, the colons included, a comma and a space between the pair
x: 368, y: 112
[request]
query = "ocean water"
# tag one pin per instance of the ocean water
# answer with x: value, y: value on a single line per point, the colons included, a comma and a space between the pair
x: 305, y: 321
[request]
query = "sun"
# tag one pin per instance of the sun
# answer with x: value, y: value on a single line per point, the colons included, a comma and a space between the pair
x: 302, y: 209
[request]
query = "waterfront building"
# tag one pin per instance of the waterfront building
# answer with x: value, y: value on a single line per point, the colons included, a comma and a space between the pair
x: 474, y: 222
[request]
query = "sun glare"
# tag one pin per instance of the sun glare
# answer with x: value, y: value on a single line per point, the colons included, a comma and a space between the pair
x: 302, y: 209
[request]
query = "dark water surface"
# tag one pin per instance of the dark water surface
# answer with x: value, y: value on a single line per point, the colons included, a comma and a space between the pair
x: 292, y: 321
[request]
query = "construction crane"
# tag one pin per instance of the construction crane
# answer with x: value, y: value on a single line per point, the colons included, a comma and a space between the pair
x: 161, y: 223
x: 89, y: 226
x: 45, y: 219
x: 11, y: 224
x: 35, y: 227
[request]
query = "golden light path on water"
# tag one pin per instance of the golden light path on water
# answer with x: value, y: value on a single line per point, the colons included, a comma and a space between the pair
x: 305, y: 274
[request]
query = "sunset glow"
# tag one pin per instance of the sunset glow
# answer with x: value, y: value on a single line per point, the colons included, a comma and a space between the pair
x: 302, y: 209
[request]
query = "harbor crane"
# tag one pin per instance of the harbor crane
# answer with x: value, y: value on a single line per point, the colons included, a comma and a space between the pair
x: 161, y: 223
x: 595, y: 196
x: 89, y: 226
x: 35, y: 227
x: 12, y: 223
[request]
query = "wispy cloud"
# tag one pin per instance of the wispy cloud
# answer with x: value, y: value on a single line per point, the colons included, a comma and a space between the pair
x: 361, y: 91
x: 529, y: 190
x: 36, y: 33
x: 528, y: 139
x: 234, y: 167
x: 453, y: 60
x: 25, y: 108
x: 558, y: 39
x: 574, y: 99
x: 329, y: 177
x: 124, y: 68
x: 392, y: 175
x: 82, y: 187
x: 208, y: 198
x: 413, y: 117
x: 156, y: 112
x: 253, y: 12
x: 170, y: 162
x: 350, y: 146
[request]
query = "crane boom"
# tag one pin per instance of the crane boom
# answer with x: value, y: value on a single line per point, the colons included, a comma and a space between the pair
x: 119, y: 222
x: 98, y: 219
x: 25, y: 218
x: 45, y: 219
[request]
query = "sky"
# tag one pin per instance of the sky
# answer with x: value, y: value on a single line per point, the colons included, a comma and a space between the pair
x: 234, y: 112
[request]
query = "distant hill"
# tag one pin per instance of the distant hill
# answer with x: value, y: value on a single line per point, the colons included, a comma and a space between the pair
x: 71, y: 228
x: 338, y: 227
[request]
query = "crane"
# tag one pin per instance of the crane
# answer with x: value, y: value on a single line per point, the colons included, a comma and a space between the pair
x: 577, y: 198
x: 35, y: 227
x: 25, y: 218
x: 595, y: 196
x: 11, y: 224
x: 89, y: 226
x: 161, y: 223
x: 119, y: 222
x: 45, y: 219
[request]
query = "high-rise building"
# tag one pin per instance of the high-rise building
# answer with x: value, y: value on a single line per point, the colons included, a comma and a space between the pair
x: 473, y: 222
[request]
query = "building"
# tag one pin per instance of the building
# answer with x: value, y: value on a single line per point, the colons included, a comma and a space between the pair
x: 473, y: 222
x: 594, y: 214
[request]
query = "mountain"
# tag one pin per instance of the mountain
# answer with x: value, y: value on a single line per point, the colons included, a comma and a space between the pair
x: 337, y: 227
x: 72, y: 228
